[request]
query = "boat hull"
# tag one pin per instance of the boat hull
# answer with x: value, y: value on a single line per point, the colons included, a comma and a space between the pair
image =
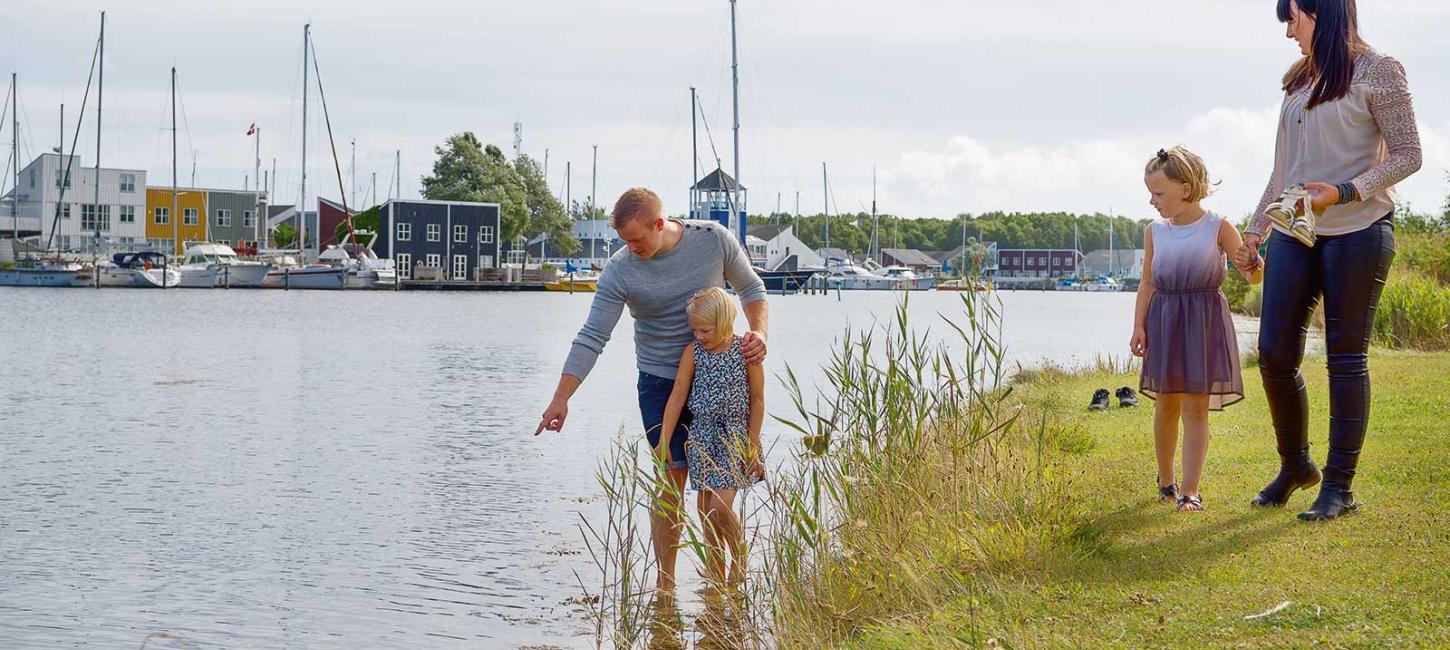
x: 139, y: 278
x: 571, y: 286
x: 37, y: 278
x: 198, y: 278
x: 785, y: 281
x: 242, y: 276
x: 323, y: 279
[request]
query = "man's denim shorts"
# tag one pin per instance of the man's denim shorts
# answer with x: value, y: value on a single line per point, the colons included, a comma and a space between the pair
x: 654, y: 394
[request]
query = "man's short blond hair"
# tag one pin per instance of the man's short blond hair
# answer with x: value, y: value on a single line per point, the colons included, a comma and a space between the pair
x: 637, y: 203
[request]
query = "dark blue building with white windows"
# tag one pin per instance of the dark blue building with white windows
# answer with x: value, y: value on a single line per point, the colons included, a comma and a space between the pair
x: 457, y: 236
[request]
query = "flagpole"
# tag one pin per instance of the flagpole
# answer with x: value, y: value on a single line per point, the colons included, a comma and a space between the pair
x: 257, y: 196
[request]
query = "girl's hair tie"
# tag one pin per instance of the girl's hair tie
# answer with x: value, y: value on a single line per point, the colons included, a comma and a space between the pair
x: 1162, y: 155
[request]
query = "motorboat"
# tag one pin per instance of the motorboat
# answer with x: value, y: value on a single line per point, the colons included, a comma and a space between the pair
x: 28, y: 273
x: 845, y: 275
x: 364, y: 269
x: 1102, y: 283
x: 962, y: 285
x: 143, y: 270
x: 207, y: 265
x: 907, y: 278
x: 574, y: 282
x: 786, y: 281
x: 287, y: 273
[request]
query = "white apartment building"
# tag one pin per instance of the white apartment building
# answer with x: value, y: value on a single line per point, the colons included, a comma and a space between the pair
x: 119, y: 218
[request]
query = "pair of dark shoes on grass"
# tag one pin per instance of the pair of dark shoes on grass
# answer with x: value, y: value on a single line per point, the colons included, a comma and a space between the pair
x: 1126, y: 398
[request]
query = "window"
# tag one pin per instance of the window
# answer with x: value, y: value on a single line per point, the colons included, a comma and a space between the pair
x: 189, y: 216
x: 32, y: 179
x: 249, y: 219
x: 460, y: 234
x: 93, y: 219
x: 405, y: 266
x: 405, y: 232
x: 127, y: 214
x: 485, y: 234
x: 224, y: 242
x: 485, y: 262
x: 161, y: 244
x: 434, y: 232
x: 161, y: 216
x: 62, y: 179
x: 433, y: 261
x: 224, y: 217
x: 63, y: 242
x: 65, y: 210
x: 128, y: 183
x: 460, y: 267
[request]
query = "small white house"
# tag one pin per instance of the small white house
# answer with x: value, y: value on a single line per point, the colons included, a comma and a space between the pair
x: 779, y: 249
x: 1128, y: 263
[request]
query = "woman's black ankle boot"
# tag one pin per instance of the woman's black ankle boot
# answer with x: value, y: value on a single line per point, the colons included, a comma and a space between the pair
x: 1296, y: 471
x: 1335, y: 498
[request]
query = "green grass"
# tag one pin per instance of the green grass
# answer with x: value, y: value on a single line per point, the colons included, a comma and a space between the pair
x: 1135, y: 573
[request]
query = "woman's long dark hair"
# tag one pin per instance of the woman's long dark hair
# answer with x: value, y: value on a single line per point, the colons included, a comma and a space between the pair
x: 1330, y: 64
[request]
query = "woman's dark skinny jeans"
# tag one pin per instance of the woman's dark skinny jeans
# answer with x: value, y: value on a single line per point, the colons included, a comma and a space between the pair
x: 1349, y: 272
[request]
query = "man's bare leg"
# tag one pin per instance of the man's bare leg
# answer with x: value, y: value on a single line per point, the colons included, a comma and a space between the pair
x: 666, y: 523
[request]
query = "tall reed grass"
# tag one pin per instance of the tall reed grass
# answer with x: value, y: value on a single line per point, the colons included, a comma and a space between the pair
x: 1414, y: 313
x: 918, y: 477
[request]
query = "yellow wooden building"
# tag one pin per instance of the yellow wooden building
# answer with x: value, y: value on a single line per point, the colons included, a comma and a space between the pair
x: 168, y: 231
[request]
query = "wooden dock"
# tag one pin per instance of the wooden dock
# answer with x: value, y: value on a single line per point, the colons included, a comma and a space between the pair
x: 466, y: 285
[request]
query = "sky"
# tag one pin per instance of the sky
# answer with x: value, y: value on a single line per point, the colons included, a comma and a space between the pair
x: 954, y: 105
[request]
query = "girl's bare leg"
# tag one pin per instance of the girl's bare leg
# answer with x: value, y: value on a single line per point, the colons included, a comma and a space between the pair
x: 717, y: 511
x: 1195, y: 443
x: 667, y: 520
x: 1165, y: 435
x: 714, y: 551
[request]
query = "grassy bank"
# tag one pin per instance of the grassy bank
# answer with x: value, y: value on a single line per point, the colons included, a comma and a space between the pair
x: 1133, y: 573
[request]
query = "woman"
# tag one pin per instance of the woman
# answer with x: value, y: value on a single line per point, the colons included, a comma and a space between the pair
x: 1347, y: 135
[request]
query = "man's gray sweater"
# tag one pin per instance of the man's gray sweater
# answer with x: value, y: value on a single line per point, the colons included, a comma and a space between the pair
x: 656, y: 291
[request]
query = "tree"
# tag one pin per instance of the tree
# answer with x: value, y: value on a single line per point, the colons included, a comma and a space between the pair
x: 366, y: 220
x: 284, y: 234
x: 546, y: 216
x: 467, y: 171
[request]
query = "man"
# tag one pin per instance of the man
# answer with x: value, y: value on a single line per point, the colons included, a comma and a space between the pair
x: 667, y: 261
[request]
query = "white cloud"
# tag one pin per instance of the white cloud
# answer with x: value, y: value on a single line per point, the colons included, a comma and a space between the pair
x: 1101, y: 174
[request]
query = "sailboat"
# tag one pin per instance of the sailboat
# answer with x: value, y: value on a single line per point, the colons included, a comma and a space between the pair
x: 287, y: 273
x: 19, y: 266
x: 723, y: 193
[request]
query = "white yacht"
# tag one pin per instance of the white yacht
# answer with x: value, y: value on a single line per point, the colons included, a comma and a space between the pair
x: 146, y: 270
x: 208, y: 265
x: 365, y: 270
x: 843, y: 274
x: 907, y: 278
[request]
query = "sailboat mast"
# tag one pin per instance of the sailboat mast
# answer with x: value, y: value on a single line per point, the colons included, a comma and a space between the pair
x: 15, y: 151
x: 1112, y: 256
x: 694, y: 149
x: 875, y: 242
x: 100, y: 86
x: 175, y: 213
x: 826, y: 203
x: 736, y: 212
x: 257, y: 196
x: 302, y: 202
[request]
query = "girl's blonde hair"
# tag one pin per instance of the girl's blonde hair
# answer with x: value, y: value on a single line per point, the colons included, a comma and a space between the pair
x: 713, y: 305
x: 1182, y: 166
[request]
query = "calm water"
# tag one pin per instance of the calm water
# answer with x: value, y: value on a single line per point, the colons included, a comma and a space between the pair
x: 311, y: 469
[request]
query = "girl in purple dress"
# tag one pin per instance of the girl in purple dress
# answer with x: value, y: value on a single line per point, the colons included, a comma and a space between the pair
x: 1182, y: 328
